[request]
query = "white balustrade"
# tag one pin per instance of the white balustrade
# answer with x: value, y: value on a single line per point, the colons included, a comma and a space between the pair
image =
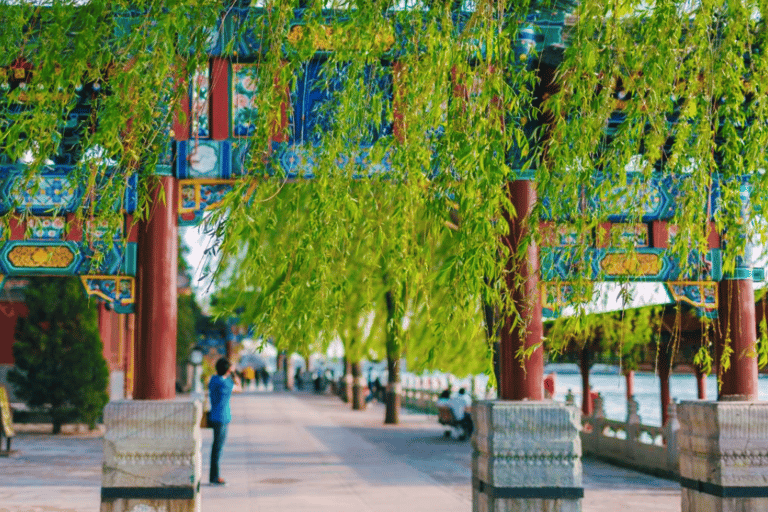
x: 630, y: 443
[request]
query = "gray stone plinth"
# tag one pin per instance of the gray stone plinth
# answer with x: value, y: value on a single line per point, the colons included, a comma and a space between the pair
x: 527, y: 457
x: 152, y: 456
x: 723, y: 456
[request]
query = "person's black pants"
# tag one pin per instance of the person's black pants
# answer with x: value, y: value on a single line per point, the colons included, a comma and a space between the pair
x: 467, y: 425
x: 219, y: 436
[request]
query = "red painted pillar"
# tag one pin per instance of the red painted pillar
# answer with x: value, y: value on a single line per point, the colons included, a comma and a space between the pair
x: 105, y: 332
x: 586, y: 391
x: 130, y: 354
x: 737, y: 328
x: 664, y: 370
x: 629, y: 376
x: 155, y: 377
x: 518, y: 382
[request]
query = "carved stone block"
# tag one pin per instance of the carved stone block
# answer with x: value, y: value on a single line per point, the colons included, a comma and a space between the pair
x: 723, y: 456
x: 527, y: 457
x: 152, y: 456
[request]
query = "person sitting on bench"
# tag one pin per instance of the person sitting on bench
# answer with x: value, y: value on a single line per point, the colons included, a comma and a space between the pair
x: 460, y: 405
x: 458, y: 416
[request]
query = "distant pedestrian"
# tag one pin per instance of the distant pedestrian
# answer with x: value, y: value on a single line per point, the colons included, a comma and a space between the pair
x: 297, y: 378
x: 220, y: 389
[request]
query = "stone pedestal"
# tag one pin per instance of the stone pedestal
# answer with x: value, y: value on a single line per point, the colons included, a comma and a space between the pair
x: 526, y: 458
x: 723, y: 456
x: 152, y: 457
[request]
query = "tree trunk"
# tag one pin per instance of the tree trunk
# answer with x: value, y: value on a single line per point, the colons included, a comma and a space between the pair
x: 392, y: 397
x: 347, y: 389
x: 586, y: 399
x: 358, y: 400
x: 288, y: 373
x: 57, y: 419
x: 491, y: 316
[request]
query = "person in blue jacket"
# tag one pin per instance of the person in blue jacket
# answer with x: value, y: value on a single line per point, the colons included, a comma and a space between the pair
x: 220, y: 389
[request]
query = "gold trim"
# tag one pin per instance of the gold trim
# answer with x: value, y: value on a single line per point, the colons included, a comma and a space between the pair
x: 701, y: 285
x: 638, y: 264
x: 559, y: 293
x: 117, y: 280
x: 196, y: 184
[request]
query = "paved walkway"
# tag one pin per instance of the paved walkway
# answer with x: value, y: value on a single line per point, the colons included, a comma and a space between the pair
x: 301, y: 452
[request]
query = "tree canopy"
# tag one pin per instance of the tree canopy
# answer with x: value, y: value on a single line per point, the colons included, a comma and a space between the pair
x: 435, y: 108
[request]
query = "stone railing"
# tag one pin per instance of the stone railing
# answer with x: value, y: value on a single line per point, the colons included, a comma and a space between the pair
x: 421, y: 393
x: 630, y: 443
x: 422, y: 400
x: 626, y: 443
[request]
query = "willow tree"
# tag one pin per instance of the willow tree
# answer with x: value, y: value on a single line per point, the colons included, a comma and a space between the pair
x: 445, y: 107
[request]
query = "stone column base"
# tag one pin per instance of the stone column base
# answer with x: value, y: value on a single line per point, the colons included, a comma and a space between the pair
x: 152, y: 456
x: 723, y: 456
x: 527, y: 457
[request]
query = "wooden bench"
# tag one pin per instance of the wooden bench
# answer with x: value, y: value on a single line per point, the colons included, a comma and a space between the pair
x: 6, y: 423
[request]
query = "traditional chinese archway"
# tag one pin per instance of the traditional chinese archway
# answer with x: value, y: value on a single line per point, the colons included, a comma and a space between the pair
x: 210, y: 147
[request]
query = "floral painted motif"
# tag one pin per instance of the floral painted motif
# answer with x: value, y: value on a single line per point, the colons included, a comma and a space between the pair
x: 244, y: 112
x: 46, y: 228
x: 97, y: 230
x: 201, y: 127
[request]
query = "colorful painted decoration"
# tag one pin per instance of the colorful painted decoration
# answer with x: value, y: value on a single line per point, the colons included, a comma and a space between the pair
x: 66, y: 257
x: 203, y: 159
x: 39, y: 257
x: 54, y: 191
x: 561, y: 235
x: 44, y: 195
x: 119, y: 291
x: 700, y: 295
x: 46, y: 228
x: 200, y: 104
x: 622, y: 234
x: 297, y: 160
x: 243, y: 94
x: 242, y: 28
x: 654, y: 198
x: 197, y: 196
x: 555, y: 296
x: 646, y: 264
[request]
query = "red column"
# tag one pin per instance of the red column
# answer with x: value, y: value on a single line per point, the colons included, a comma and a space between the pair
x: 105, y: 332
x: 664, y: 370
x: 155, y: 377
x: 130, y: 351
x: 629, y: 376
x: 736, y: 313
x: 518, y: 382
x: 219, y: 93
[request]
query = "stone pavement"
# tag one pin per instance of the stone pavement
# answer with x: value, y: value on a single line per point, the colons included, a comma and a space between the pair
x: 301, y: 452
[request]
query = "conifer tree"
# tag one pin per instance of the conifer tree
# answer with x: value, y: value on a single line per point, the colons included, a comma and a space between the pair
x: 59, y: 365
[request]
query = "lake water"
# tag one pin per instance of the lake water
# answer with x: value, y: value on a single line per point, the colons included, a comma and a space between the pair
x: 647, y: 392
x: 613, y: 390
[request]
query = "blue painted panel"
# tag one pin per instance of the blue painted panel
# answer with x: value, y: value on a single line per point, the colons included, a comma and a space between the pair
x: 53, y: 192
x: 655, y: 198
x: 241, y: 31
x: 203, y: 159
